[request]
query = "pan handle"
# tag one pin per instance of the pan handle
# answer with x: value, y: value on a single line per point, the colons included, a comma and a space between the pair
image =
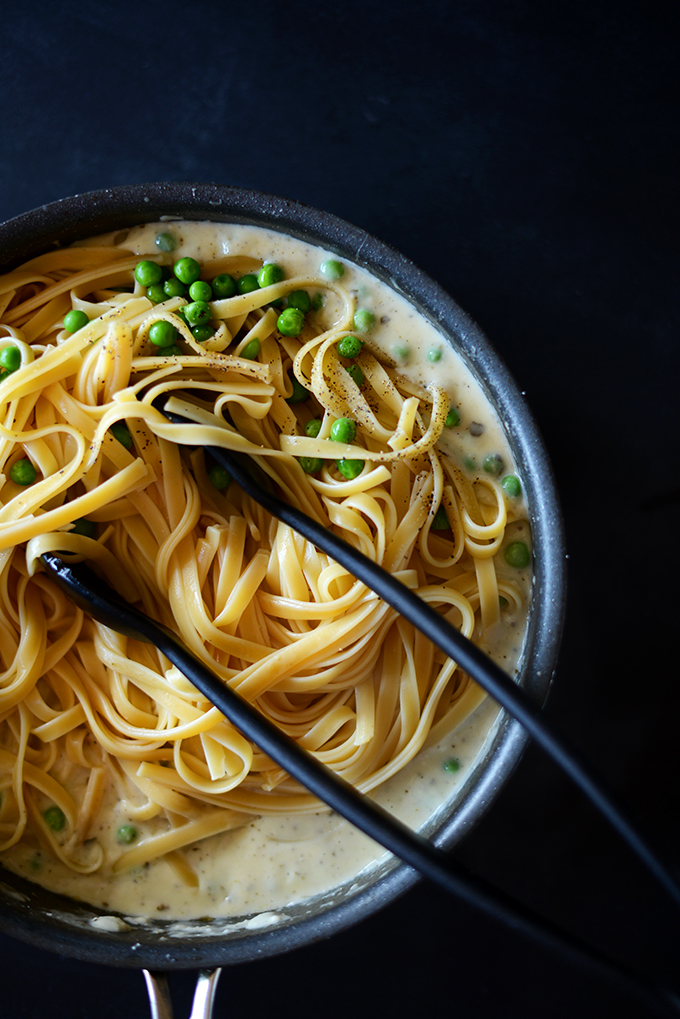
x: 204, y: 995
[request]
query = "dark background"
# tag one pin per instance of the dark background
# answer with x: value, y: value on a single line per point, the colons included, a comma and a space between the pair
x: 525, y: 155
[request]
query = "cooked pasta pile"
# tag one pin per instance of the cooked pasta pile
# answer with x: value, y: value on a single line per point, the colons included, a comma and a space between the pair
x: 88, y: 716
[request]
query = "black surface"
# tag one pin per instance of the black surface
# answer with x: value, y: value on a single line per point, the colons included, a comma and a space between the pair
x: 525, y: 155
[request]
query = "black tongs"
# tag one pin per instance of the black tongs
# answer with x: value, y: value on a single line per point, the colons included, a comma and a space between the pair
x: 97, y: 599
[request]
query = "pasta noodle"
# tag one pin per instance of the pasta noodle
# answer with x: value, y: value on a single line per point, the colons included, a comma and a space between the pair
x: 89, y: 717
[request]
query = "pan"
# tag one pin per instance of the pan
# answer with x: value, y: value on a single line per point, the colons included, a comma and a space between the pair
x: 156, y: 946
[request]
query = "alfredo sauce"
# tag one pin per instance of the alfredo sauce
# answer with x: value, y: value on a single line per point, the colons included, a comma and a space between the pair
x: 272, y: 862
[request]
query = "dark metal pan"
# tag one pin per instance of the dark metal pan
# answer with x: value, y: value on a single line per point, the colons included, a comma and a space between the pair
x: 75, y: 929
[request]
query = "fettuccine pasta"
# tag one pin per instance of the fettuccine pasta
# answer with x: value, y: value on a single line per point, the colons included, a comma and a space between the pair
x: 92, y: 467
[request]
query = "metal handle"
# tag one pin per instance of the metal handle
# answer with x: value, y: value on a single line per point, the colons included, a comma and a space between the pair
x: 204, y: 995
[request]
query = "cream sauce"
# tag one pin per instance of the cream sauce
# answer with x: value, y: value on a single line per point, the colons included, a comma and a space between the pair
x: 275, y: 861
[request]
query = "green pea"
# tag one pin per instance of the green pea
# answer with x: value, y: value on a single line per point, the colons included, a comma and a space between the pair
x: 493, y: 463
x: 269, y: 274
x: 173, y: 351
x: 332, y: 269
x: 363, y: 320
x: 180, y: 315
x: 343, y: 430
x: 219, y: 477
x: 502, y: 602
x: 349, y: 346
x: 202, y: 333
x: 317, y: 302
x: 511, y: 485
x: 200, y: 291
x: 120, y: 431
x: 251, y: 349
x: 174, y: 288
x: 223, y: 286
x: 87, y: 528
x: 55, y: 818
x: 75, y: 320
x: 299, y: 394
x: 310, y: 464
x: 10, y: 358
x: 22, y: 472
x: 469, y: 463
x: 148, y: 273
x: 356, y: 373
x: 451, y: 765
x: 156, y: 293
x: 166, y: 242
x: 162, y: 334
x: 198, y: 313
x: 187, y: 270
x: 299, y: 299
x: 350, y: 469
x: 290, y: 322
x: 126, y: 834
x: 441, y: 521
x: 517, y: 554
x: 434, y: 355
x: 452, y: 418
x: 313, y: 427
x: 247, y: 284
x: 402, y: 351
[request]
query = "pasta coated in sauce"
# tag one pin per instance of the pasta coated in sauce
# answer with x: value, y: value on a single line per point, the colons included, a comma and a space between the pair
x: 90, y: 718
